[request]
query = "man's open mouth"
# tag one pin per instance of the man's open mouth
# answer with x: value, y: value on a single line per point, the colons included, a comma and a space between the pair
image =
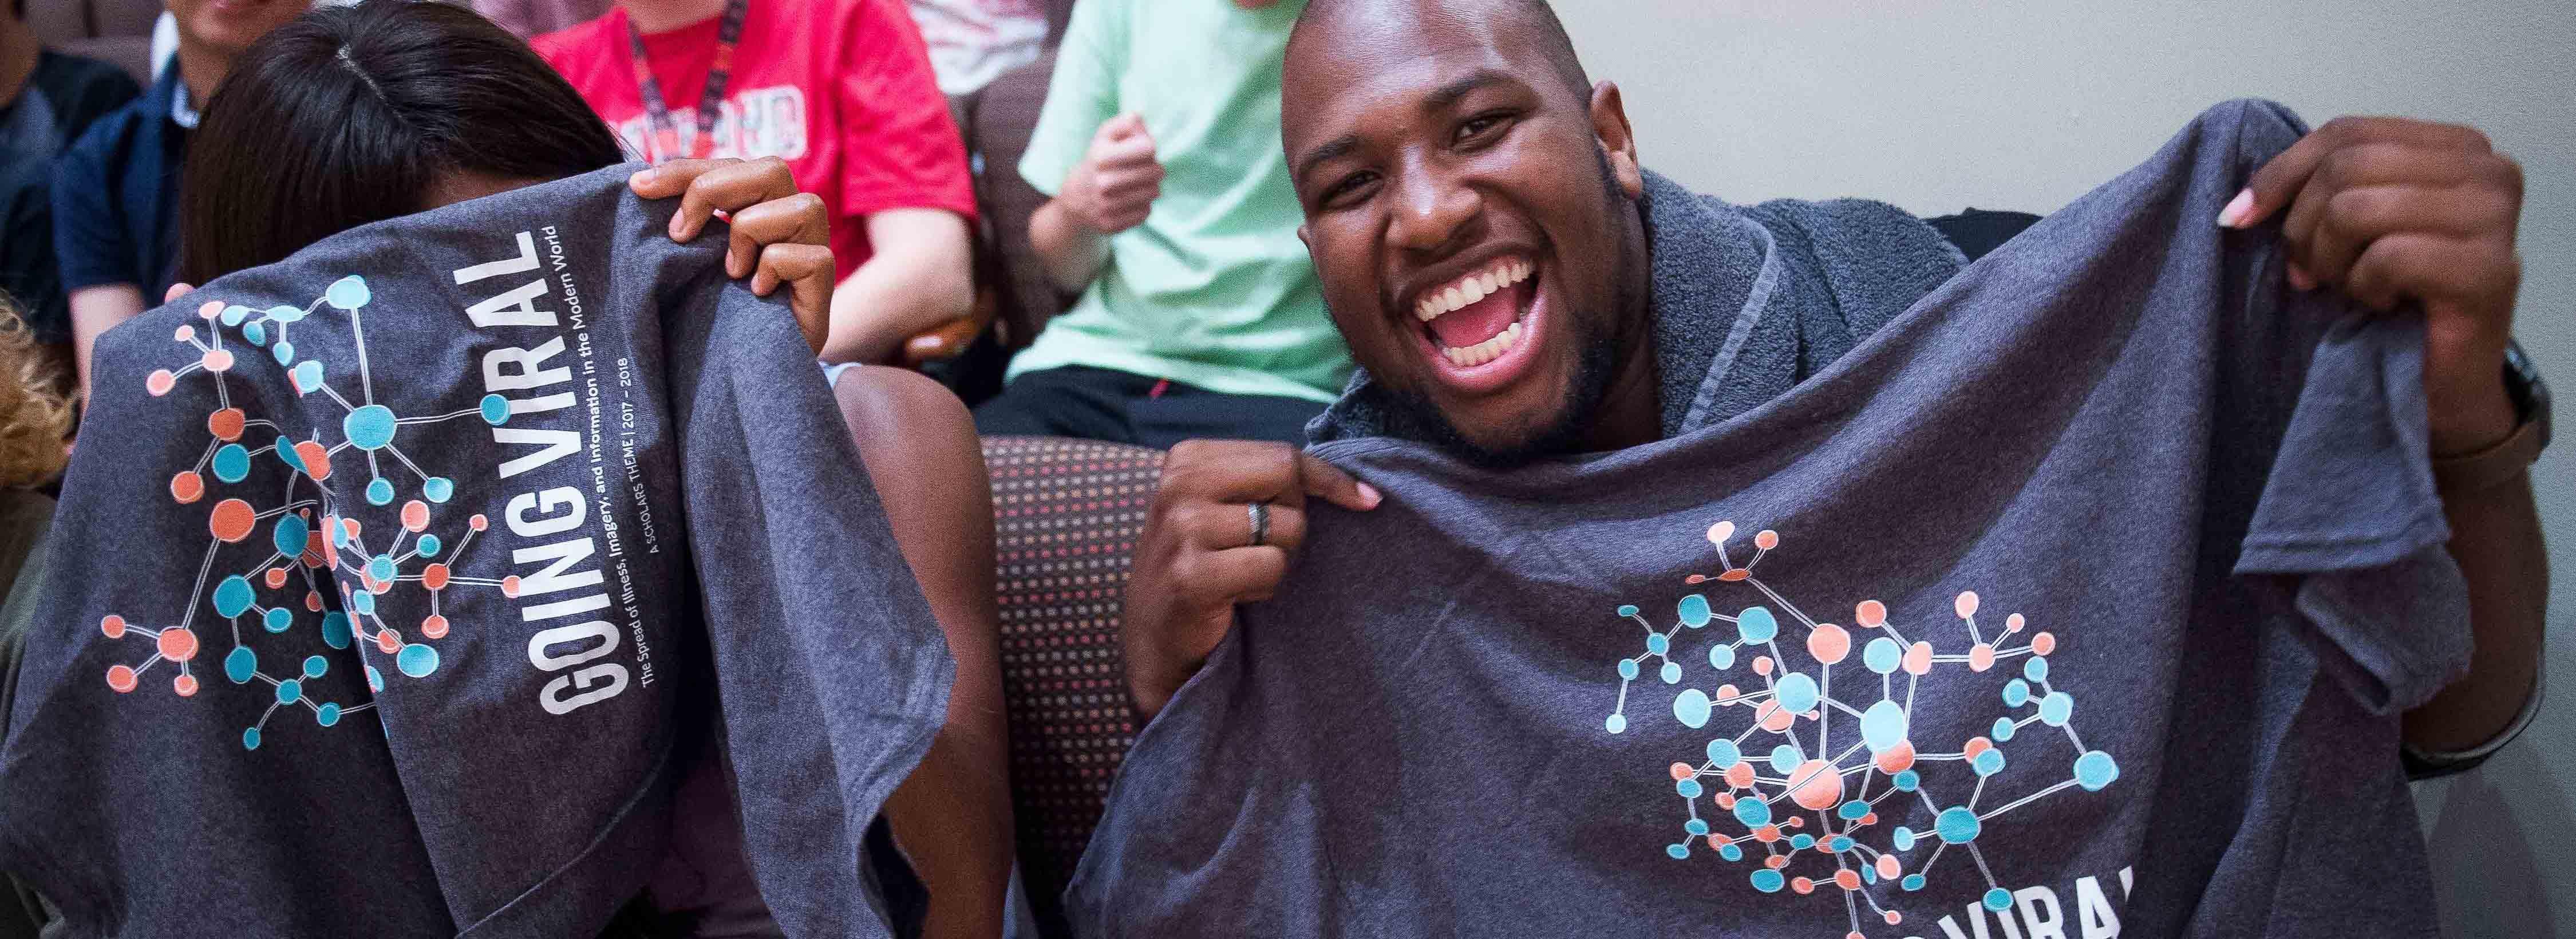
x: 1478, y: 318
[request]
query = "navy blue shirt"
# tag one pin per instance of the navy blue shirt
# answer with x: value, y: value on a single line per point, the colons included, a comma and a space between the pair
x: 116, y: 195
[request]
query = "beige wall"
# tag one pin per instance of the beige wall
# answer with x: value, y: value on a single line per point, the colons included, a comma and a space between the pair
x: 1937, y: 105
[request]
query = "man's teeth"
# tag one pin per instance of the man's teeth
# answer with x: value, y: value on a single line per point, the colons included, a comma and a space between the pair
x: 1485, y: 351
x: 1471, y: 288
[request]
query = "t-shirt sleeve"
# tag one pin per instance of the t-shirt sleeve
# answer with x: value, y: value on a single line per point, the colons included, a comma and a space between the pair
x: 90, y: 240
x: 1082, y: 95
x: 100, y: 90
x: 900, y: 147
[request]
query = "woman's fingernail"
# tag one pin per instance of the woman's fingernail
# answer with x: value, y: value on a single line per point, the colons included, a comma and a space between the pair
x: 1370, y: 493
x: 2238, y: 210
x: 640, y: 178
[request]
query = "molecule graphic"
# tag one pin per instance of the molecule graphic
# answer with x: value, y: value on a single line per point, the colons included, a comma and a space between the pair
x: 1764, y: 791
x: 297, y: 547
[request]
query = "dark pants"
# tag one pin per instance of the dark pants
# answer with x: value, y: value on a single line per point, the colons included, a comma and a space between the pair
x: 1102, y: 404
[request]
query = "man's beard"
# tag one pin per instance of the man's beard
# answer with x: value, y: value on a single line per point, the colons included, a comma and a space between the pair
x: 1601, y: 350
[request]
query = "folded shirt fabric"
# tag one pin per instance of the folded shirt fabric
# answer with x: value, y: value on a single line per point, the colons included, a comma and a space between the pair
x: 2078, y: 598
x: 394, y: 584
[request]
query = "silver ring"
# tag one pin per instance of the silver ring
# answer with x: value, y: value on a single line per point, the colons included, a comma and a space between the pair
x: 1260, y: 523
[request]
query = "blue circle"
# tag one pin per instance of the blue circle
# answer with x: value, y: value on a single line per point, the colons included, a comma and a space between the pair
x: 381, y: 567
x: 307, y: 376
x: 1691, y: 708
x: 2036, y: 669
x: 1616, y: 724
x: 1671, y: 672
x: 437, y: 489
x: 416, y: 660
x: 1785, y: 758
x: 335, y: 629
x: 1730, y: 852
x: 363, y: 603
x: 2016, y: 693
x: 277, y: 619
x: 1957, y: 824
x: 2004, y: 728
x: 1912, y: 882
x: 1721, y: 657
x: 1883, y: 725
x: 241, y: 664
x: 1694, y: 611
x: 1766, y: 880
x: 1756, y: 625
x: 1798, y: 692
x: 1656, y: 644
x: 427, y: 545
x: 234, y: 313
x: 1988, y: 763
x: 232, y: 596
x: 327, y: 714
x: 1625, y: 609
x: 1882, y: 655
x: 1998, y: 898
x: 290, y: 691
x: 1628, y: 669
x: 1906, y: 780
x: 256, y: 333
x: 1722, y: 753
x: 2055, y: 709
x: 283, y: 313
x: 370, y: 427
x: 250, y: 738
x: 1696, y: 826
x: 1869, y: 874
x: 1801, y: 842
x: 1902, y: 839
x: 232, y: 463
x: 284, y: 351
x: 348, y: 293
x: 380, y: 491
x: 1676, y: 852
x: 285, y: 450
x: 375, y: 679
x: 1754, y: 813
x: 290, y: 534
x: 1839, y: 845
x: 1689, y: 788
x: 315, y: 665
x: 496, y: 412
x: 1853, y: 810
x: 2094, y: 770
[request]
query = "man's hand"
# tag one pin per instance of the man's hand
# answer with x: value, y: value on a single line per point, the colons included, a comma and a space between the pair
x: 1115, y: 185
x: 780, y: 235
x: 2390, y: 210
x: 1196, y: 559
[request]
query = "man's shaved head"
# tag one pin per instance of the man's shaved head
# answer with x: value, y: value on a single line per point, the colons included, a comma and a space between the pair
x: 1537, y: 16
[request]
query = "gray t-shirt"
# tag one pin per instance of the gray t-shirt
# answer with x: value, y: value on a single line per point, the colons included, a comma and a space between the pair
x: 393, y: 582
x: 2079, y: 600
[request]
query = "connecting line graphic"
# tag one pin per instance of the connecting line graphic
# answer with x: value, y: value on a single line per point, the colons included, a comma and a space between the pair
x: 1842, y: 788
x: 297, y: 547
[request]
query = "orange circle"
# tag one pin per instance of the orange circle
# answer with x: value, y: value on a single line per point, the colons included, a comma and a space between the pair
x: 415, y: 515
x: 1869, y: 819
x: 1773, y: 717
x: 1966, y: 604
x: 1976, y: 745
x: 1761, y: 665
x: 313, y: 600
x: 434, y: 627
x: 1888, y: 869
x: 388, y: 641
x: 1776, y: 861
x: 113, y: 625
x: 1896, y: 759
x: 187, y: 487
x: 510, y: 586
x: 216, y: 360
x: 1740, y: 775
x: 1829, y: 643
x: 1816, y: 785
x: 434, y: 577
x: 185, y: 685
x: 225, y: 424
x: 1981, y: 658
x: 121, y: 678
x: 1870, y: 613
x: 1681, y: 771
x: 1894, y: 917
x: 231, y: 520
x: 210, y: 309
x: 1766, y: 539
x: 316, y: 460
x: 1726, y: 695
x: 1802, y: 885
x: 1725, y: 800
x: 1847, y: 879
x: 276, y: 577
x: 159, y: 382
x: 177, y: 645
x: 477, y: 522
x: 1735, y: 575
x: 2043, y: 642
x: 2013, y: 624
x: 1918, y: 659
x: 1767, y: 834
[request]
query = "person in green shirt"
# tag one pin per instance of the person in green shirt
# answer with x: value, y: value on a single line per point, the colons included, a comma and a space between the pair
x: 1171, y: 212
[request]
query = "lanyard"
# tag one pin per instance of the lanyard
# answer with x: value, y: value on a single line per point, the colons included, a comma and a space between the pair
x: 657, y: 115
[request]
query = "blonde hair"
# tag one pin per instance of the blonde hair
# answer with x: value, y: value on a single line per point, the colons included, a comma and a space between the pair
x: 34, y: 417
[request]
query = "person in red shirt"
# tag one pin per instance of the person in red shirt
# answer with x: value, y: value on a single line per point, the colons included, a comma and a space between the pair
x: 840, y: 89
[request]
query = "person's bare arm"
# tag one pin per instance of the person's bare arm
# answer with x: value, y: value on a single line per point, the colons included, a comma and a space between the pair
x: 953, y: 816
x: 96, y: 310
x: 2495, y: 535
x: 1110, y: 191
x: 920, y: 277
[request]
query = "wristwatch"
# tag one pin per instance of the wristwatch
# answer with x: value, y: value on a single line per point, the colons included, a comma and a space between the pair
x: 2505, y: 460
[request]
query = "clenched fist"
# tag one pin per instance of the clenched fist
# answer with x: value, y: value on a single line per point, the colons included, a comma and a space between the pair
x: 1115, y: 185
x: 1198, y: 556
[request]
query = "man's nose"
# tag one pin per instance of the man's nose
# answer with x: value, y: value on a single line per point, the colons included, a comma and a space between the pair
x: 1433, y: 214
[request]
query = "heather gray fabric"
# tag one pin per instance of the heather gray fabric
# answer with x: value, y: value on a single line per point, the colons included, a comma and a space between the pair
x: 2086, y: 591
x: 551, y: 489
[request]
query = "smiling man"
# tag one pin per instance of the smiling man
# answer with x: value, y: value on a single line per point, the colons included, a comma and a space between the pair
x: 1563, y: 355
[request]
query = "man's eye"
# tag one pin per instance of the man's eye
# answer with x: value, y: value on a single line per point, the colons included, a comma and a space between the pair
x: 1345, y: 187
x: 1479, y: 126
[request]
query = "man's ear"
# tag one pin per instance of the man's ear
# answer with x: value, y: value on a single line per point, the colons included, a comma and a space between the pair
x: 1610, y: 124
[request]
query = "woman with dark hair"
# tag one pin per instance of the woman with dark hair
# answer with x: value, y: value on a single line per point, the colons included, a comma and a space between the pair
x: 357, y: 114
